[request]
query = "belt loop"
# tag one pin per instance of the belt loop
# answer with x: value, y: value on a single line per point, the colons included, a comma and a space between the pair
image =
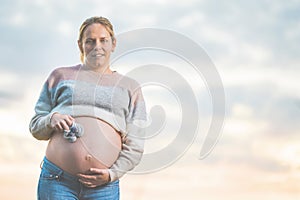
x: 41, y: 164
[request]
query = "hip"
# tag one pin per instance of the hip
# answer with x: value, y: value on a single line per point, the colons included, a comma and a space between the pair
x: 55, y: 184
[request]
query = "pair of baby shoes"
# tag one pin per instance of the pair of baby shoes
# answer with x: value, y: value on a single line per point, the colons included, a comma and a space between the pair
x: 75, y: 131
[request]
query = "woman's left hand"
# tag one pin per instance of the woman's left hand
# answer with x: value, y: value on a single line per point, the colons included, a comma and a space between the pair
x: 94, y: 177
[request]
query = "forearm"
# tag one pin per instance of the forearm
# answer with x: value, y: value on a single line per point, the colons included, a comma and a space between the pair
x: 130, y: 155
x: 40, y: 126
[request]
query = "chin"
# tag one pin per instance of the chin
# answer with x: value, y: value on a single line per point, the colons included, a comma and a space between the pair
x: 95, y: 65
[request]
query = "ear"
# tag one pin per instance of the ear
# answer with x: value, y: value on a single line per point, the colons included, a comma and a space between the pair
x: 80, y: 46
x: 114, y: 44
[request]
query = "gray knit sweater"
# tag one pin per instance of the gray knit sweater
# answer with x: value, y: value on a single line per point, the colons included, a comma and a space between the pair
x: 114, y: 98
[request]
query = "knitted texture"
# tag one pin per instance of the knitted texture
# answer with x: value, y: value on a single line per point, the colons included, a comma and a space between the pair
x: 113, y: 98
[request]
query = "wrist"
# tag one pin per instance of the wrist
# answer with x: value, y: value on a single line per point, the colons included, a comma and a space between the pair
x: 51, y: 116
x: 108, y: 179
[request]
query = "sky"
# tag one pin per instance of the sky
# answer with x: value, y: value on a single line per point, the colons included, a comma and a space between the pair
x: 254, y: 46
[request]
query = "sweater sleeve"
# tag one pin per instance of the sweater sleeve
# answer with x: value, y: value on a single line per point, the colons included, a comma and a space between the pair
x: 133, y: 141
x: 40, y: 123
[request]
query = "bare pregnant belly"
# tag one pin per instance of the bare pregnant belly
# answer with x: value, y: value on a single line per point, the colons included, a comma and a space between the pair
x: 99, y: 147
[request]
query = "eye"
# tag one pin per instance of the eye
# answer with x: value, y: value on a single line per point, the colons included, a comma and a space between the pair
x: 89, y: 41
x: 103, y: 40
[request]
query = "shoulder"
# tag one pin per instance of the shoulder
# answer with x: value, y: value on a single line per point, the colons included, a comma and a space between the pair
x: 127, y: 82
x: 62, y: 73
x: 65, y: 70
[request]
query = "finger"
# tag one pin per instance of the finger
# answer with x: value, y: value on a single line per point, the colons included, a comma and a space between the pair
x: 92, y: 172
x: 81, y: 177
x: 96, y: 171
x: 69, y: 120
x: 87, y: 178
x: 64, y: 125
x: 55, y: 124
x: 58, y: 127
x: 90, y: 185
x: 86, y: 183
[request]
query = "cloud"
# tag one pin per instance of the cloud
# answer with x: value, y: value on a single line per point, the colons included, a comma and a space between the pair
x: 279, y: 111
x: 237, y: 35
x: 254, y: 45
x: 246, y: 40
x: 234, y: 33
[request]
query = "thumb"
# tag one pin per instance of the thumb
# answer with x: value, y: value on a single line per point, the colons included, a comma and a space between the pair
x: 96, y: 171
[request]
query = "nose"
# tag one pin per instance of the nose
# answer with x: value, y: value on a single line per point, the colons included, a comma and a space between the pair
x: 98, y: 45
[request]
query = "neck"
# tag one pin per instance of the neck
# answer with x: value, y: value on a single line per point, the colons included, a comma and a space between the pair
x: 100, y: 70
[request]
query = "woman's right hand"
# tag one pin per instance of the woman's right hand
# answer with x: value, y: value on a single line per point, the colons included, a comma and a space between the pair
x: 61, y: 122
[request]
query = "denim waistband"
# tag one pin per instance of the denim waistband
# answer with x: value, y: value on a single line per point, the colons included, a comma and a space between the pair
x: 57, y: 170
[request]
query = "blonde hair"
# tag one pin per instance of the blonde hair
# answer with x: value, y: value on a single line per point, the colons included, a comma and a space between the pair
x: 101, y: 20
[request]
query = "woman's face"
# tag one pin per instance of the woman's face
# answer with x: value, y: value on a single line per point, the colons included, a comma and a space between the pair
x: 97, y: 46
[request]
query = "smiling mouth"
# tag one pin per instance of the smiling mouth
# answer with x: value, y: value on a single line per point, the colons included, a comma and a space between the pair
x: 98, y: 55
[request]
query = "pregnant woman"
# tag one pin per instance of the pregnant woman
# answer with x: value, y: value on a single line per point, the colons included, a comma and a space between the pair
x: 105, y: 106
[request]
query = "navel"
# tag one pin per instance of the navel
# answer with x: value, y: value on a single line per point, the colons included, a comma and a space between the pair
x: 88, y: 157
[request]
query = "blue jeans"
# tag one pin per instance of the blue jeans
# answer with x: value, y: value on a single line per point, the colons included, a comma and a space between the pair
x: 56, y: 184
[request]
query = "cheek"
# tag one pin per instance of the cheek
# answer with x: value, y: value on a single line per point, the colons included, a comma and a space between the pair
x: 108, y: 49
x: 86, y: 49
